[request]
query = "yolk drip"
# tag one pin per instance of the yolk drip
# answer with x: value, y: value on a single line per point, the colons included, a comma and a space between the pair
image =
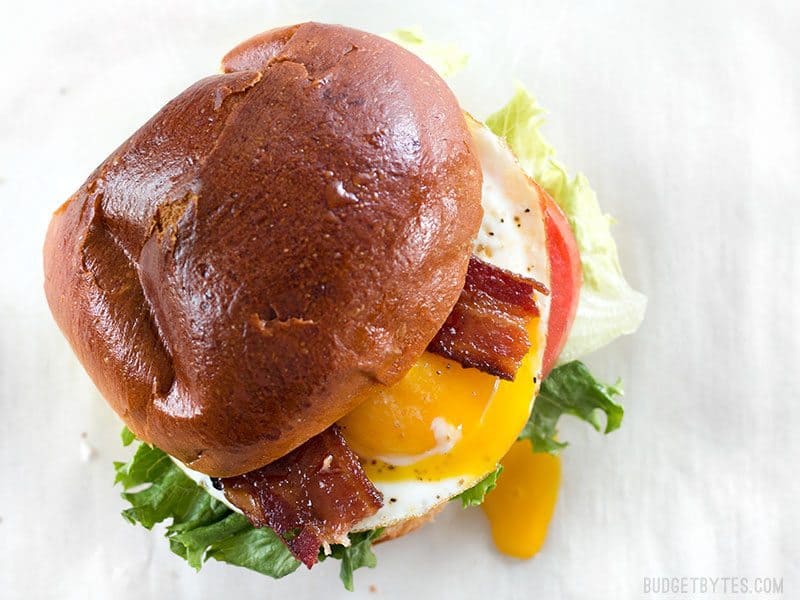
x: 442, y: 420
x: 521, y: 506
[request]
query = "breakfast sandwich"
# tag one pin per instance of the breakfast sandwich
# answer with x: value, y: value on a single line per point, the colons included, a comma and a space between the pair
x: 325, y: 301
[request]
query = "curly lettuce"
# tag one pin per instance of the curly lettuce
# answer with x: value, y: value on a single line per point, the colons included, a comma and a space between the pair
x: 475, y: 495
x: 358, y: 554
x: 446, y: 59
x: 200, y: 527
x: 571, y: 389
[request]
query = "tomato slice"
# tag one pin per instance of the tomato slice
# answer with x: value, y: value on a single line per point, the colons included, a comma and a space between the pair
x: 565, y: 280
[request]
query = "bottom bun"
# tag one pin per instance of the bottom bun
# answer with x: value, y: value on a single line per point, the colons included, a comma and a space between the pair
x: 403, y: 527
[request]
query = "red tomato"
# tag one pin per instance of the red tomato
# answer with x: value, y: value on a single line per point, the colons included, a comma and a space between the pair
x: 565, y: 280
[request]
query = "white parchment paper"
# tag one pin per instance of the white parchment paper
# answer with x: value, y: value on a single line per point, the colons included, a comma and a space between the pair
x: 685, y: 116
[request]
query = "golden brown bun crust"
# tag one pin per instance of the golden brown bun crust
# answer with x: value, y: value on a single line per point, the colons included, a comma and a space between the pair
x: 403, y: 527
x: 274, y: 239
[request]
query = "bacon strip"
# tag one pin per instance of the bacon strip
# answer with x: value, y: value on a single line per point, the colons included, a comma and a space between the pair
x: 310, y: 497
x: 487, y: 328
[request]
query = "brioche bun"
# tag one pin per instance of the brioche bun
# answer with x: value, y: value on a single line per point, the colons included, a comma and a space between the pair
x: 276, y: 238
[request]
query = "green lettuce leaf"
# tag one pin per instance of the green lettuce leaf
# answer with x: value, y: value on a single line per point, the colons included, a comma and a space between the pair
x: 474, y: 496
x: 446, y: 59
x: 127, y: 437
x: 201, y: 527
x: 608, y: 307
x: 570, y: 389
x: 355, y: 556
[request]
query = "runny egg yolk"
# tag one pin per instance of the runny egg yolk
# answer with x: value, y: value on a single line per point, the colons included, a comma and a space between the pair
x: 521, y: 506
x: 442, y: 420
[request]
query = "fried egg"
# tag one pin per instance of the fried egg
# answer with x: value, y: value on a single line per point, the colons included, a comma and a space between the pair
x: 443, y: 428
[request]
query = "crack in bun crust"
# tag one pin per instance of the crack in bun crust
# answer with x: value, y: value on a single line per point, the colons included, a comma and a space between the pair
x: 274, y: 239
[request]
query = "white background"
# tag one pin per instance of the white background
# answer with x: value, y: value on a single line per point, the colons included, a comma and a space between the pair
x: 685, y: 117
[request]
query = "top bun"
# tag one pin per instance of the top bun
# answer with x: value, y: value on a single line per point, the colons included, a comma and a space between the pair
x: 276, y: 238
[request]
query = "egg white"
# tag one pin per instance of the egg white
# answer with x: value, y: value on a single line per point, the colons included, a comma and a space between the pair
x: 511, y: 237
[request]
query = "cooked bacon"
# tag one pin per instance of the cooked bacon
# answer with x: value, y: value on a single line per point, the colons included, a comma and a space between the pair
x: 487, y: 328
x: 310, y: 497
